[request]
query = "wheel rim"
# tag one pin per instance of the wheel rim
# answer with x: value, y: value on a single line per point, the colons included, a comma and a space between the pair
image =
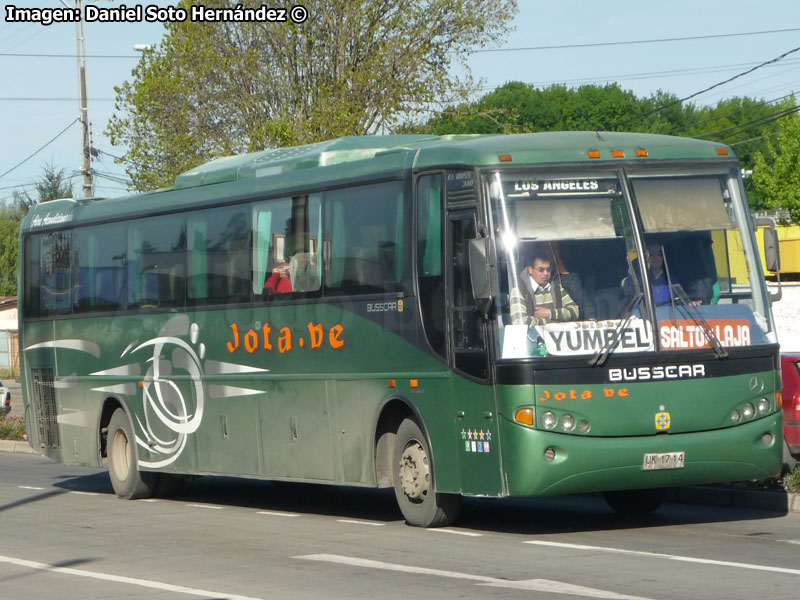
x: 415, y: 474
x: 120, y: 455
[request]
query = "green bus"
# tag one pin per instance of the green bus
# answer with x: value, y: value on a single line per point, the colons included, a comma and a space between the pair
x: 341, y: 313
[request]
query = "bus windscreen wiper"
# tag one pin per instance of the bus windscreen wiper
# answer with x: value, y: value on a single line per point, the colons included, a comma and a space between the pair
x: 601, y: 355
x: 698, y: 318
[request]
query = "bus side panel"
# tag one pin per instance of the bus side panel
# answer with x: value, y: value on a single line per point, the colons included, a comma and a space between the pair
x: 477, y: 438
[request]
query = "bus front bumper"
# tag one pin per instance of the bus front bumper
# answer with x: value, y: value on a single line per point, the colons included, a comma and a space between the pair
x: 545, y: 463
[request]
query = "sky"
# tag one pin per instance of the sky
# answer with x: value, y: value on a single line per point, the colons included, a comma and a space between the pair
x: 641, y: 45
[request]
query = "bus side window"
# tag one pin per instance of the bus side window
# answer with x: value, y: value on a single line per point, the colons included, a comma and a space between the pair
x: 56, y: 276
x: 363, y: 239
x: 158, y: 249
x: 218, y: 256
x: 286, y: 246
x: 429, y: 260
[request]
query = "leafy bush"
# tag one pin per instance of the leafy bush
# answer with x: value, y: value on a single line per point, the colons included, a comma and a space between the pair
x: 792, y: 481
x: 12, y: 428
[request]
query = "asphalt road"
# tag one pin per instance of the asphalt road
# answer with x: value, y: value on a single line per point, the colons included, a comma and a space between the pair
x: 65, y: 535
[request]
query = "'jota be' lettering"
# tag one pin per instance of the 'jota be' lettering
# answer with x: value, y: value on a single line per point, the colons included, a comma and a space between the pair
x: 253, y: 340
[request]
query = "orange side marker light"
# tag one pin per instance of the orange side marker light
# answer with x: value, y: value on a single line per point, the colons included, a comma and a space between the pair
x: 524, y: 416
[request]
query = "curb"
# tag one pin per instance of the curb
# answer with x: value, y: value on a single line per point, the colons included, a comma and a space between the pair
x: 20, y: 447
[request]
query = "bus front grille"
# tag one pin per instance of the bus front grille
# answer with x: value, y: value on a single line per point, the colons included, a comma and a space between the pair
x: 45, y: 402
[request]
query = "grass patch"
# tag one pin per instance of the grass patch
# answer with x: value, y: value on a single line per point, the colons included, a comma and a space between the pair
x: 792, y: 481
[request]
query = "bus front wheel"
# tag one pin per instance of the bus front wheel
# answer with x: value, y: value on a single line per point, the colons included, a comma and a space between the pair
x: 414, y: 484
x: 126, y: 479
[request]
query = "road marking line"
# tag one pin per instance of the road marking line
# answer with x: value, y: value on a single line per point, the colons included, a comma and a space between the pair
x: 691, y: 559
x: 147, y: 583
x: 354, y: 522
x: 208, y: 506
x: 455, y: 531
x: 790, y: 542
x: 273, y: 513
x: 29, y: 487
x: 542, y: 585
x: 85, y: 493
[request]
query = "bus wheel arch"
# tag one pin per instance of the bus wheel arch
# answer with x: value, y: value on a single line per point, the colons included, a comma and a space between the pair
x: 393, y: 412
x: 110, y: 405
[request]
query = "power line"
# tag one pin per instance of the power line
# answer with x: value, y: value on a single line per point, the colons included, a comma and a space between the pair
x: 22, y: 162
x: 764, y: 119
x: 645, y: 75
x: 32, y: 55
x: 480, y: 50
x: 631, y: 42
x: 709, y: 88
x: 728, y: 114
x: 42, y: 99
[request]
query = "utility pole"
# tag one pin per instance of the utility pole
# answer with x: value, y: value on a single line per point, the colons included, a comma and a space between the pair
x: 83, y: 102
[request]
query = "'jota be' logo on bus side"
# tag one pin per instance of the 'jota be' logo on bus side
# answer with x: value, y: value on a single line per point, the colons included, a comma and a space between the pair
x: 656, y: 373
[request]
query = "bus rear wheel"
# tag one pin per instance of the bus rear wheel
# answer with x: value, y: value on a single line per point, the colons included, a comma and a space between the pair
x: 636, y: 502
x: 123, y: 470
x: 414, y: 484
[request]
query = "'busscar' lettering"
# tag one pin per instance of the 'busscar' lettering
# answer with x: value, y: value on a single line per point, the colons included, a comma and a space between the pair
x: 656, y: 373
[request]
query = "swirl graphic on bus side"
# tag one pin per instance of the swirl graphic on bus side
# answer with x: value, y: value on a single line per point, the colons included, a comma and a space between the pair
x: 168, y: 417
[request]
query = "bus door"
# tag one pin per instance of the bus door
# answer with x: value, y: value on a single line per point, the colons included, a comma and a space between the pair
x: 473, y: 395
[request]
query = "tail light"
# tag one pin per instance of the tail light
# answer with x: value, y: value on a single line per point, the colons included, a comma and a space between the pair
x: 796, y: 406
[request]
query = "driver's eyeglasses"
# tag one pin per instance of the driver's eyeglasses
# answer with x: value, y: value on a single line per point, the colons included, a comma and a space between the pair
x: 543, y: 269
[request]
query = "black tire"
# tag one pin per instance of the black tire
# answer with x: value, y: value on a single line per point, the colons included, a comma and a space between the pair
x: 123, y: 469
x: 414, y: 483
x: 636, y: 502
x: 789, y: 461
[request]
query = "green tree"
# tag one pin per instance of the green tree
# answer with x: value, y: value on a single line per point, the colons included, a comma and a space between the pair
x: 9, y: 236
x: 353, y: 67
x: 52, y: 185
x: 519, y: 107
x: 776, y: 174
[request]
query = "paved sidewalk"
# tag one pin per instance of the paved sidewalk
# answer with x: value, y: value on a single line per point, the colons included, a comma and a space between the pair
x: 16, y: 446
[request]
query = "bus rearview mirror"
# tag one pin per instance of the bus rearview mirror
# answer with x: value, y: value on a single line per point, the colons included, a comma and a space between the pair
x: 772, y: 254
x: 482, y: 264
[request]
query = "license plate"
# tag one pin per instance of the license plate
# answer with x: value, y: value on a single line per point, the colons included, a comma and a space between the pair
x: 654, y: 461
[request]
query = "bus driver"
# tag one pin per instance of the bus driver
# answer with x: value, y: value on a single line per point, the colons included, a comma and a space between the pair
x: 540, y: 298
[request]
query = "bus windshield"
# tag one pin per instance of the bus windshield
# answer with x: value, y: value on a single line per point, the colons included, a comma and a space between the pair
x: 579, y: 274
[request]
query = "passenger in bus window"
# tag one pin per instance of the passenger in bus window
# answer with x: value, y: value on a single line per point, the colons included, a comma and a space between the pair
x: 661, y: 280
x: 692, y: 260
x: 540, y: 298
x: 278, y: 282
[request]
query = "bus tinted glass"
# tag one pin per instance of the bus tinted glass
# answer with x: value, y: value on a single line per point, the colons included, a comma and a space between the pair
x: 364, y: 239
x: 101, y: 268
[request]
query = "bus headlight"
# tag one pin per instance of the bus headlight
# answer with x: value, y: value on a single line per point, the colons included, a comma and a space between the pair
x: 548, y: 420
x: 736, y: 416
x: 583, y: 426
x: 763, y: 406
x: 567, y: 422
x: 748, y: 411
